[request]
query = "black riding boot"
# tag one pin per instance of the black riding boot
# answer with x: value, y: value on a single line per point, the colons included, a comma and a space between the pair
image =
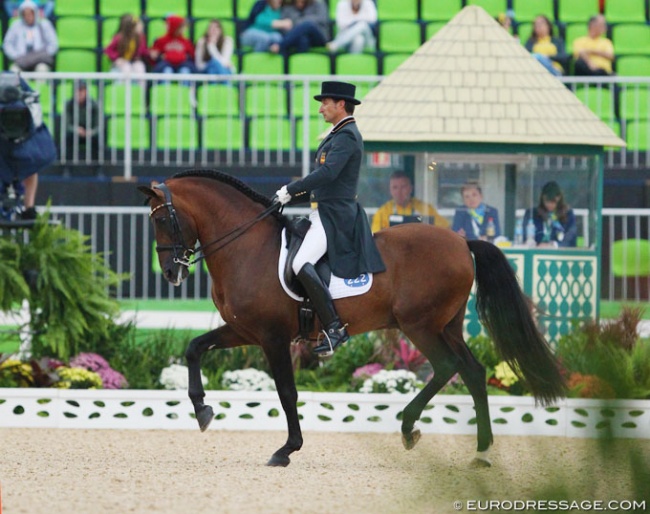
x: 335, y: 333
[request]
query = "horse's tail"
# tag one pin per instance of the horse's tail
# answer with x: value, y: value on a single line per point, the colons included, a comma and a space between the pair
x: 505, y: 312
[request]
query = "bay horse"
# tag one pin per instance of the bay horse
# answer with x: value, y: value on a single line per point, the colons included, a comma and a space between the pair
x: 423, y: 292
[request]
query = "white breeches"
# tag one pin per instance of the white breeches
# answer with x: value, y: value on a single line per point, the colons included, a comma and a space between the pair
x: 314, y: 246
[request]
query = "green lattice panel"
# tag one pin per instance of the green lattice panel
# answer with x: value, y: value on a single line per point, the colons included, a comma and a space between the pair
x: 565, y: 288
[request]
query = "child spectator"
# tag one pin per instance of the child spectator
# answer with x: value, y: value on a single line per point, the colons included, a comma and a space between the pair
x: 173, y: 53
x: 310, y: 26
x: 594, y: 53
x: 355, y: 20
x: 263, y: 26
x: 31, y: 42
x: 546, y: 48
x: 128, y: 48
x: 214, y: 51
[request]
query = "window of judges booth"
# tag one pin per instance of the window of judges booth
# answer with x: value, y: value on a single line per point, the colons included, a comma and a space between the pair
x: 520, y: 200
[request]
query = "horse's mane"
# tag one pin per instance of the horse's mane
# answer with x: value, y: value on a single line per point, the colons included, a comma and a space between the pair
x: 231, y: 181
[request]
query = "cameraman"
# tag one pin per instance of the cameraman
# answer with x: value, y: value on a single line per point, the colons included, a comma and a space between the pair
x: 26, y: 145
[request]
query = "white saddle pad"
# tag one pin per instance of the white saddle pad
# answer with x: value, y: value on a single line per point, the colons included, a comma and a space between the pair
x: 339, y: 287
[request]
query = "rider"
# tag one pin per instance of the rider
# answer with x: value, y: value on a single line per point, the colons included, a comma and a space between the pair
x: 26, y: 146
x: 339, y: 225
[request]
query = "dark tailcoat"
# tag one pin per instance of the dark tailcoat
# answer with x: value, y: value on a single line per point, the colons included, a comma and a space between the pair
x: 333, y: 184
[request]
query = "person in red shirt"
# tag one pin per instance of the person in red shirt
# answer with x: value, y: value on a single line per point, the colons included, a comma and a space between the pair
x: 173, y: 53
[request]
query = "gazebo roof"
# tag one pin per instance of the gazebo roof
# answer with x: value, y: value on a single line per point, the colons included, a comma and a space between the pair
x: 474, y: 83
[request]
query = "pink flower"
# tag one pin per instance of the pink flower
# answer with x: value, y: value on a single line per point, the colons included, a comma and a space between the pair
x: 367, y: 371
x: 111, y: 379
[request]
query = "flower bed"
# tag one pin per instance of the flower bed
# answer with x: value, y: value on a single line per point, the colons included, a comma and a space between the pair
x: 334, y: 412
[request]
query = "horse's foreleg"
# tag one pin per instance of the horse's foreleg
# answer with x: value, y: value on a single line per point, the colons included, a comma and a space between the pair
x: 222, y: 337
x: 279, y: 358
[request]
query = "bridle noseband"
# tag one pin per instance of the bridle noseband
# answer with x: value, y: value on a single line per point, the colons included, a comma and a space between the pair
x: 179, y: 246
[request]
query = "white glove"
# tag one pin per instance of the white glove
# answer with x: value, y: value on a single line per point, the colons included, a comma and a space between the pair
x: 283, y: 195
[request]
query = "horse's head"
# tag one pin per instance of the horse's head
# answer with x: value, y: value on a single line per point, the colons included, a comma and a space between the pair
x: 174, y: 233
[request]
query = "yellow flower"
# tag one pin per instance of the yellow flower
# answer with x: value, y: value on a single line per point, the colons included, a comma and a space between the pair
x: 22, y: 371
x: 78, y: 378
x: 504, y: 373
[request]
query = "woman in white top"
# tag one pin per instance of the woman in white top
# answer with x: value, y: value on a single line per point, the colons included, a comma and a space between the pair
x: 355, y: 20
x: 214, y: 51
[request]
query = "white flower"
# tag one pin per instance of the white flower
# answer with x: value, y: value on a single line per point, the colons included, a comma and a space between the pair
x: 392, y: 381
x: 249, y: 379
x: 176, y: 376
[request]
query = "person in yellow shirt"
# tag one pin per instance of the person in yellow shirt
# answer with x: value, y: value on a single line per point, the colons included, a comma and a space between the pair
x: 594, y: 53
x: 403, y: 204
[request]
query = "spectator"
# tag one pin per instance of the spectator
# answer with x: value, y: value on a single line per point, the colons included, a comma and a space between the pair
x: 31, y: 42
x: 505, y: 19
x: 403, y: 207
x: 546, y: 48
x: 173, y: 52
x: 310, y: 27
x: 555, y: 222
x: 594, y: 53
x: 45, y: 8
x: 263, y: 26
x: 81, y: 126
x: 128, y: 48
x: 355, y: 21
x: 214, y: 51
x: 472, y: 221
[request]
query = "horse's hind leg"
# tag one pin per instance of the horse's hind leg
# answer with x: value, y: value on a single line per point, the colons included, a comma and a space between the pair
x: 444, y: 364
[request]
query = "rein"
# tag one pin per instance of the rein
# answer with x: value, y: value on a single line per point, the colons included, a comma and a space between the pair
x: 187, y: 252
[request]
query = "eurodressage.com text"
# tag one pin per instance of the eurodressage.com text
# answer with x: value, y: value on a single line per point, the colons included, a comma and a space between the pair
x: 550, y: 505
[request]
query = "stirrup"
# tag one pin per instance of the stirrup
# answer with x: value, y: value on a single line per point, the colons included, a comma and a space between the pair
x: 329, y: 344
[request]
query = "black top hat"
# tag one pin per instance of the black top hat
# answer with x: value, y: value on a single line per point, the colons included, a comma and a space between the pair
x: 338, y: 91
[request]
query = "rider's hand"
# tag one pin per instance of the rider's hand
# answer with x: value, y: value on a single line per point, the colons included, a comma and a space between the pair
x: 283, y: 195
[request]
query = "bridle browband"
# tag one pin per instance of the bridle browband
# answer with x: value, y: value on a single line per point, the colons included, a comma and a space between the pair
x: 185, y: 251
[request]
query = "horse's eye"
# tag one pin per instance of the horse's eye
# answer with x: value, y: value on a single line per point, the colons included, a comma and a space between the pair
x: 160, y: 220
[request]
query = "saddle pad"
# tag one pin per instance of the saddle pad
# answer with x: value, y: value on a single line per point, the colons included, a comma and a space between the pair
x: 339, y: 287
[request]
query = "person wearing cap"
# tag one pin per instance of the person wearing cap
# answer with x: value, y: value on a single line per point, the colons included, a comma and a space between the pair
x: 81, y: 126
x: 339, y: 225
x: 173, y: 52
x: 555, y: 221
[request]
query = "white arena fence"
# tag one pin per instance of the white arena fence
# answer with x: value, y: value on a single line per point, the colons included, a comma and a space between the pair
x: 325, y: 412
x: 261, y: 120
x: 124, y: 237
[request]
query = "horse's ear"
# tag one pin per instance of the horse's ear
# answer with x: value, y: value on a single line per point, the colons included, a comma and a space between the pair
x: 149, y: 191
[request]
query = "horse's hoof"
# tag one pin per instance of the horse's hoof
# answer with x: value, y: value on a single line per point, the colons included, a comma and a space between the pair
x: 205, y: 417
x: 410, y: 440
x: 482, y: 460
x: 279, y: 460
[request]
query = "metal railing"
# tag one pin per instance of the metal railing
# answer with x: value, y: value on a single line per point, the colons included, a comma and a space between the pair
x: 124, y: 237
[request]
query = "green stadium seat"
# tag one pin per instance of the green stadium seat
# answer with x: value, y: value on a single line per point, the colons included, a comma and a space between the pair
x: 176, y: 132
x: 571, y: 33
x: 397, y: 10
x: 200, y: 26
x: 432, y: 29
x: 115, y: 99
x: 399, y: 36
x: 524, y: 31
x: 45, y: 94
x: 625, y: 11
x: 170, y: 99
x: 297, y: 99
x: 443, y: 10
x: 528, y: 10
x: 635, y: 102
x: 332, y: 9
x: 577, y: 11
x: 156, y: 28
x: 218, y: 100
x: 163, y: 8
x: 116, y: 8
x: 600, y: 100
x: 631, y: 38
x: 222, y: 133
x: 493, y: 7
x: 317, y: 126
x: 243, y: 8
x: 310, y: 64
x: 265, y: 99
x: 77, y: 32
x: 74, y: 8
x: 270, y: 133
x: 116, y: 132
x: 262, y: 63
x: 64, y: 93
x: 637, y: 135
x: 633, y: 66
x: 210, y: 9
x: 392, y: 61
x: 76, y: 60
x: 356, y: 64
x: 110, y: 27
x: 630, y: 258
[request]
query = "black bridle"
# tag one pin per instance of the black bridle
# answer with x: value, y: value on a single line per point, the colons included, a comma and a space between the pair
x: 180, y: 248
